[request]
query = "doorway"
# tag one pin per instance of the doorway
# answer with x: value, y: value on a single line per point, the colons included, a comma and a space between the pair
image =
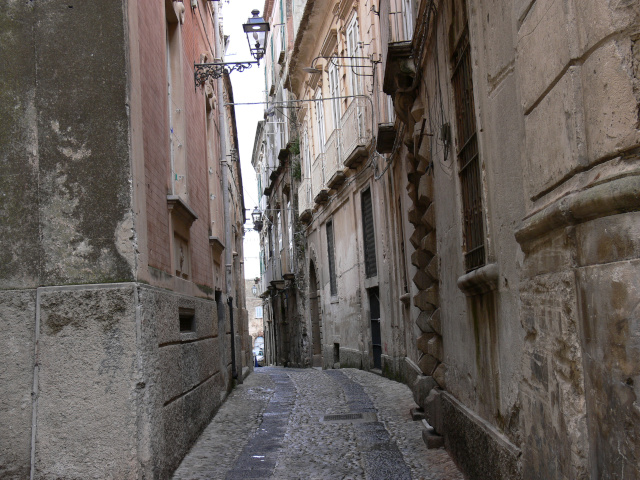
x: 314, y: 307
x: 376, y: 337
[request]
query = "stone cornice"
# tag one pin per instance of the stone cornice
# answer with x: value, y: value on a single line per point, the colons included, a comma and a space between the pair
x: 615, y: 196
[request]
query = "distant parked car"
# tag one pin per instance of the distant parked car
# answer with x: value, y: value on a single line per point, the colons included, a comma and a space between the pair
x: 258, y: 354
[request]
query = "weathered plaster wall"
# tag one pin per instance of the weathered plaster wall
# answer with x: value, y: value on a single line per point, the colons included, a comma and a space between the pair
x: 66, y: 149
x: 65, y: 204
x: 17, y: 316
x: 19, y: 222
x: 83, y: 151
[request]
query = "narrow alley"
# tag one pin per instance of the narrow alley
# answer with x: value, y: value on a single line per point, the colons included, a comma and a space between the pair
x: 315, y: 424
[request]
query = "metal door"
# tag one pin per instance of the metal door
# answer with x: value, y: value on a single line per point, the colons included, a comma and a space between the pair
x: 376, y: 337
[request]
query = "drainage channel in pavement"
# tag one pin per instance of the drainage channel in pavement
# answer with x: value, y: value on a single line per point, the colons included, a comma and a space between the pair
x: 258, y: 457
x: 381, y: 455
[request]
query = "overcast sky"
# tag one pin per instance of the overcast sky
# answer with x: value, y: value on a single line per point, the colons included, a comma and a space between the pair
x: 248, y: 86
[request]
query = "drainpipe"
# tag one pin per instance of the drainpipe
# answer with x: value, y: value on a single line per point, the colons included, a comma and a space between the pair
x: 225, y: 193
x: 234, y: 369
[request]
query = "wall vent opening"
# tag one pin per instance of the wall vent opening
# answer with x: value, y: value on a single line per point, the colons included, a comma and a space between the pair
x: 187, y: 320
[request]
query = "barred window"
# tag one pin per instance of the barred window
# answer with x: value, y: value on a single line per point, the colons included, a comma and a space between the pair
x: 468, y: 158
x: 368, y: 235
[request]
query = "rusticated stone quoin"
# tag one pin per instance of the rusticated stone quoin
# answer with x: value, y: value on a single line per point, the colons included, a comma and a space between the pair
x: 428, y: 363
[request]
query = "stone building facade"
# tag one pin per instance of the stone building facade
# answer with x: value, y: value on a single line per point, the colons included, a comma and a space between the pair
x: 358, y: 304
x: 276, y: 160
x: 254, y: 309
x: 474, y: 231
x: 121, y: 214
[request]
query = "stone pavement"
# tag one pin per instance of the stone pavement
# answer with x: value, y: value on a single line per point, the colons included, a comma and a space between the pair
x: 311, y: 424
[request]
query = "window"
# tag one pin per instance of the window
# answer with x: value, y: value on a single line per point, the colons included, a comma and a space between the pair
x: 468, y: 159
x: 290, y: 233
x: 176, y: 102
x: 321, y: 137
x: 368, y: 234
x: 262, y: 267
x: 280, y: 227
x: 353, y: 38
x: 181, y: 255
x: 259, y: 312
x: 333, y: 282
x: 409, y: 9
x: 305, y: 169
x: 334, y: 92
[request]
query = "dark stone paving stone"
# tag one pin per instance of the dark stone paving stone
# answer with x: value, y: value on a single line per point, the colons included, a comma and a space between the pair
x: 382, y: 458
x: 371, y: 435
x: 258, y: 458
x: 386, y: 464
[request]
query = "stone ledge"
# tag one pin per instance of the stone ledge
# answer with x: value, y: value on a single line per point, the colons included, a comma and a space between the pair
x: 217, y: 244
x: 479, y: 281
x: 616, y: 196
x: 182, y: 210
x: 493, y: 455
x: 356, y: 157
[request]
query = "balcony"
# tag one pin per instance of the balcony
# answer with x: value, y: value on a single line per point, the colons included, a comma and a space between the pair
x: 274, y: 273
x: 286, y: 263
x: 305, y: 201
x: 355, y: 133
x: 334, y: 174
x: 345, y: 149
x: 319, y: 190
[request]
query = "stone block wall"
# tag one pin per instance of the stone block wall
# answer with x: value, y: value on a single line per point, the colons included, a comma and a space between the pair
x: 18, y: 317
x: 539, y: 356
x: 579, y: 238
x: 119, y: 390
x: 87, y: 394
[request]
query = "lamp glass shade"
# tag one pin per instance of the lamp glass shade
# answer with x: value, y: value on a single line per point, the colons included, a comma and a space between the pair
x: 257, y: 30
x: 256, y: 215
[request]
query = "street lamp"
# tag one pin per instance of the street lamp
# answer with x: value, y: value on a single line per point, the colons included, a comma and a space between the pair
x: 257, y: 30
x: 256, y: 217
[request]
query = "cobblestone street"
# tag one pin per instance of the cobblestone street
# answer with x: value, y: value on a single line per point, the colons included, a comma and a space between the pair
x: 311, y: 424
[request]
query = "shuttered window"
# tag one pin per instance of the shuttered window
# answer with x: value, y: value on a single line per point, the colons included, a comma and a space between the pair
x: 368, y: 235
x: 333, y: 282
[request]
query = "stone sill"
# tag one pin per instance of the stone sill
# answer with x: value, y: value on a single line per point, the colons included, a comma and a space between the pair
x: 371, y: 282
x: 406, y: 299
x: 482, y: 280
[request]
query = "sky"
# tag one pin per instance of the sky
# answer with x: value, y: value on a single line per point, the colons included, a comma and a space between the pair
x: 248, y: 86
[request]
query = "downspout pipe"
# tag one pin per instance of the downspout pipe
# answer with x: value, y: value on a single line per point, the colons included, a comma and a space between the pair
x: 234, y: 368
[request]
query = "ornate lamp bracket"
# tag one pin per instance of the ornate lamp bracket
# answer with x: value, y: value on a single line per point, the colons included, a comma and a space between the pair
x: 204, y: 71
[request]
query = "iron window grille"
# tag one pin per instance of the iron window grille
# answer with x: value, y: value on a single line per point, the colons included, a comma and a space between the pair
x: 333, y: 281
x: 468, y: 158
x: 368, y: 232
